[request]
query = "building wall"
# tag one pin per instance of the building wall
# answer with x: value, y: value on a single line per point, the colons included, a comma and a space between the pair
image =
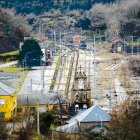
x: 81, y: 92
x: 118, y: 46
x: 88, y: 125
x: 22, y: 110
x: 9, y: 106
x: 56, y: 135
x: 31, y: 109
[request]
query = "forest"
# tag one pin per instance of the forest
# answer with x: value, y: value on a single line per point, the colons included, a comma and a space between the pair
x: 115, y: 17
x: 40, y: 6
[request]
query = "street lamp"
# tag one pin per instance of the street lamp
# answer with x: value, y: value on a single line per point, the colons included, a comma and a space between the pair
x: 25, y: 58
x: 20, y: 65
x: 100, y: 119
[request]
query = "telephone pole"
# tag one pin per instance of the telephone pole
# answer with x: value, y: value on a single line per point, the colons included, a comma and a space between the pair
x: 38, y: 124
x: 42, y: 77
x: 94, y: 64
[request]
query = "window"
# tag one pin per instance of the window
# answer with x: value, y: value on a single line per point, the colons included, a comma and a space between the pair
x: 19, y: 109
x: 2, y: 115
x: 2, y: 101
x: 32, y: 109
x: 80, y: 84
x: 42, y: 109
x: 77, y: 97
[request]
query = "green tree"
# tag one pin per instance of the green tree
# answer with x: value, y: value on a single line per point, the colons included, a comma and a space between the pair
x: 45, y: 122
x: 84, y: 23
x: 30, y: 54
x: 3, y: 131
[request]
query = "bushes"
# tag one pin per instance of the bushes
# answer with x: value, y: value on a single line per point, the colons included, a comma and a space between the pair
x: 84, y: 23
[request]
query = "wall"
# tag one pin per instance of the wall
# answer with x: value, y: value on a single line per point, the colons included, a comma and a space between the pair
x: 85, y: 126
x: 9, y: 106
x: 67, y: 136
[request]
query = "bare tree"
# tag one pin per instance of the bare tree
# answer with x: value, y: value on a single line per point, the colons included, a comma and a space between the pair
x: 114, y: 14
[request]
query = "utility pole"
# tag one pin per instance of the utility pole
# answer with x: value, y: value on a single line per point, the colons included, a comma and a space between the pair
x: 89, y: 74
x: 38, y: 124
x: 31, y: 84
x: 60, y: 39
x: 94, y: 65
x: 55, y: 40
x: 110, y: 100
x: 65, y: 38
x: 39, y: 30
x: 85, y: 61
x: 28, y: 109
x: 42, y: 78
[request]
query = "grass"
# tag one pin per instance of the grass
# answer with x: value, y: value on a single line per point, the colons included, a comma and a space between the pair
x: 53, y: 126
x: 11, y: 69
x: 135, y: 43
x: 57, y: 64
x: 14, y: 53
x: 70, y: 68
x: 21, y: 80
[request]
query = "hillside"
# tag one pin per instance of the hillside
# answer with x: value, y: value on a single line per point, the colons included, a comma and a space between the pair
x: 41, y: 6
x: 10, y: 33
x: 121, y: 18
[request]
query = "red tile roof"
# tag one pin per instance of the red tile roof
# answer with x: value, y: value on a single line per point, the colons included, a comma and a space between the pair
x: 118, y: 39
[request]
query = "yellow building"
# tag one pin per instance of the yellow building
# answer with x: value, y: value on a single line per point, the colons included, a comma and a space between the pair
x: 30, y: 103
x: 7, y: 102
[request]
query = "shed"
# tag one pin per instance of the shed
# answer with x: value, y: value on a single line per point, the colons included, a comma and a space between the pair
x: 118, y: 44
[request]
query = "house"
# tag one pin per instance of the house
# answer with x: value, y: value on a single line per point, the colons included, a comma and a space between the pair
x: 118, y: 45
x: 93, y: 116
x: 91, y: 119
x: 8, y: 102
x: 30, y: 103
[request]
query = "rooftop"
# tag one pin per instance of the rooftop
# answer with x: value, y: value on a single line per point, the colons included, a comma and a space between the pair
x: 39, y: 98
x: 92, y: 114
x: 117, y: 40
x: 69, y: 128
x: 5, y: 89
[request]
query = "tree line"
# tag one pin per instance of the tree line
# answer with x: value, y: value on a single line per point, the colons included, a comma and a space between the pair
x: 121, y: 18
x: 40, y: 6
